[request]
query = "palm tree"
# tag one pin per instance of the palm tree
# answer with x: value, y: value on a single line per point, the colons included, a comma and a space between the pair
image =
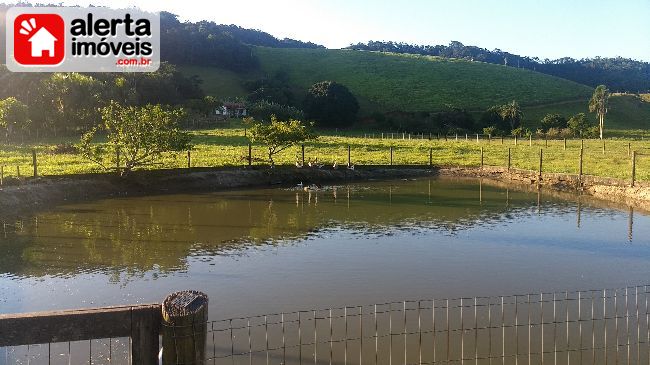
x: 512, y: 113
x: 598, y: 104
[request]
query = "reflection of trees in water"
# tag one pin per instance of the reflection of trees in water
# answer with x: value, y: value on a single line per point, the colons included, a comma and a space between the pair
x: 126, y: 238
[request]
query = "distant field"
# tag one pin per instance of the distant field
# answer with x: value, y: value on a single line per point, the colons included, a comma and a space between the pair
x: 389, y: 82
x: 228, y: 147
x: 626, y: 112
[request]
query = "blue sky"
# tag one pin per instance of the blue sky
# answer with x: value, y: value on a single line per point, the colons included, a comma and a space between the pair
x: 546, y: 29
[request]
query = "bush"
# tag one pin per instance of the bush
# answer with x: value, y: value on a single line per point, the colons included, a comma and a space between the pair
x: 264, y: 110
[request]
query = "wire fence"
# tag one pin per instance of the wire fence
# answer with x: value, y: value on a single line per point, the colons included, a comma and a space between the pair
x: 609, y: 326
x: 581, y: 327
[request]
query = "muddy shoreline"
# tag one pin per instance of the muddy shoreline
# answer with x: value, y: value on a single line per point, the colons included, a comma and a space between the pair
x: 27, y: 196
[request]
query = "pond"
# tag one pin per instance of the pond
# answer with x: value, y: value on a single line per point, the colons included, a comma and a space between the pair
x: 284, y: 249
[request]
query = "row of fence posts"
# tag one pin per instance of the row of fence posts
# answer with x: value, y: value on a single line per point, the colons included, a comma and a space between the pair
x: 630, y: 153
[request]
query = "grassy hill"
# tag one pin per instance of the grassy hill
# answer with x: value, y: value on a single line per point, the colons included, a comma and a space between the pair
x: 388, y: 82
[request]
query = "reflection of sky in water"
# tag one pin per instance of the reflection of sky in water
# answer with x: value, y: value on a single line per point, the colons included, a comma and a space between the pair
x: 267, y: 250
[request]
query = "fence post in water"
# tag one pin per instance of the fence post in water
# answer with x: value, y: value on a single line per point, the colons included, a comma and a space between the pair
x: 509, y: 158
x: 541, y: 157
x: 481, y: 157
x: 349, y: 160
x: 391, y: 155
x: 184, y: 327
x: 34, y: 163
x: 189, y: 159
x: 250, y: 154
x: 633, y: 167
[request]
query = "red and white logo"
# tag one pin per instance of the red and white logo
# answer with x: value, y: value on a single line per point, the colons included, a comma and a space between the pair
x: 39, y: 39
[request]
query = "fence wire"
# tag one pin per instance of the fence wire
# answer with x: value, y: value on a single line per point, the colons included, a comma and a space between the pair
x: 583, y: 327
x: 96, y: 351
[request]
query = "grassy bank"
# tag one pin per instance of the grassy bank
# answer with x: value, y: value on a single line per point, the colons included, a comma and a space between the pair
x: 228, y: 147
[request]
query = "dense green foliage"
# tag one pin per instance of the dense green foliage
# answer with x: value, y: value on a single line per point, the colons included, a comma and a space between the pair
x: 553, y: 121
x: 136, y: 136
x: 620, y: 74
x: 331, y: 104
x: 14, y: 116
x: 264, y: 111
x: 68, y: 103
x: 277, y: 135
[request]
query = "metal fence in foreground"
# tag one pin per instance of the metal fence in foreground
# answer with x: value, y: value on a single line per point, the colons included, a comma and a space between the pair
x: 608, y: 326
x: 583, y: 327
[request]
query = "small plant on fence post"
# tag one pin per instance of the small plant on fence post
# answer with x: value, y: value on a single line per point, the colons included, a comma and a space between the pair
x: 184, y: 328
x: 633, y: 167
x: 34, y: 163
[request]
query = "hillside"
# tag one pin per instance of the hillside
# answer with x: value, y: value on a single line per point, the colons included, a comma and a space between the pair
x: 388, y: 82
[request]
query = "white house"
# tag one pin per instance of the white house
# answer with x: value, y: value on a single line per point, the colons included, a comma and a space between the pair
x: 42, y: 41
x: 232, y: 110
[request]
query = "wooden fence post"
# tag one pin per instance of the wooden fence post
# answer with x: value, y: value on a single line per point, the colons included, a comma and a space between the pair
x: 603, y: 147
x: 250, y: 154
x: 501, y: 139
x: 34, y: 163
x: 18, y: 170
x: 565, y: 144
x: 349, y: 159
x: 515, y: 140
x: 391, y: 155
x: 184, y: 327
x: 430, y: 156
x: 580, y: 165
x: 117, y: 160
x: 530, y: 140
x: 2, y: 174
x: 633, y: 167
x: 189, y: 159
x: 509, y: 158
x: 582, y: 143
x: 541, y: 157
x: 302, y: 149
x: 145, y: 327
x: 481, y: 157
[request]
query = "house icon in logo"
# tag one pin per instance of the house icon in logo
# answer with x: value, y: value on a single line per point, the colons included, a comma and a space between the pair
x: 39, y: 39
x: 42, y: 41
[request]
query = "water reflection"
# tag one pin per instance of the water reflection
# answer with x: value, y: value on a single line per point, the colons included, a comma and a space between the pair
x: 266, y: 250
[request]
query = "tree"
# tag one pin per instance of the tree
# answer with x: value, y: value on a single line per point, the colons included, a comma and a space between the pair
x: 598, y: 104
x: 14, y: 115
x: 553, y: 121
x: 580, y: 126
x: 512, y: 114
x: 264, y: 110
x: 277, y: 136
x: 140, y: 134
x: 331, y: 104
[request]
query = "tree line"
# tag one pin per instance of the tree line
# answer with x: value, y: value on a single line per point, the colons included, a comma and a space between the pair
x: 620, y: 74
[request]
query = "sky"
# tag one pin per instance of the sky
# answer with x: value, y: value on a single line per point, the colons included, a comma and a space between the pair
x: 542, y: 28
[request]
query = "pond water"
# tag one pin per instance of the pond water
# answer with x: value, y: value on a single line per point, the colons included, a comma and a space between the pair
x: 270, y: 250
